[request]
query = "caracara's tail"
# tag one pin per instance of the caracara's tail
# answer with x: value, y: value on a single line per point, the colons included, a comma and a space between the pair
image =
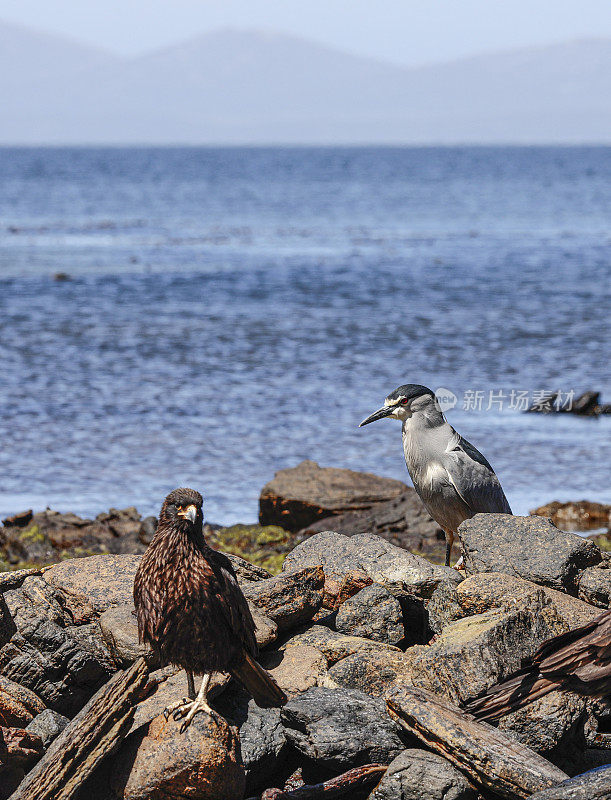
x: 259, y: 682
x: 509, y: 696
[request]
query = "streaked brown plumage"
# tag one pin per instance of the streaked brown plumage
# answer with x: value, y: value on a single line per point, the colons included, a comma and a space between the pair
x: 577, y: 661
x: 190, y: 608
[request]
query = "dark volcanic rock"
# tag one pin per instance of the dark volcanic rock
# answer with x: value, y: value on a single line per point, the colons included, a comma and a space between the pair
x: 48, y: 724
x: 373, y: 613
x: 403, y: 521
x: 529, y: 547
x: 340, y: 728
x: 593, y: 785
x: 555, y: 726
x: 297, y: 497
x: 289, y: 599
x: 262, y: 738
x: 383, y: 562
x: 420, y: 775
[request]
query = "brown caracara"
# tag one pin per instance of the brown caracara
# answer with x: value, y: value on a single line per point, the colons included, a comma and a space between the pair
x: 577, y: 661
x: 191, y: 610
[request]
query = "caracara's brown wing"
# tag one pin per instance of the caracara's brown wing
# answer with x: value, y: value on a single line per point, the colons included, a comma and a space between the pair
x: 231, y: 601
x: 577, y: 661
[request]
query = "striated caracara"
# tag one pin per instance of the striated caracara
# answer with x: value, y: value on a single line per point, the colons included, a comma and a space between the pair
x: 577, y: 661
x: 191, y: 610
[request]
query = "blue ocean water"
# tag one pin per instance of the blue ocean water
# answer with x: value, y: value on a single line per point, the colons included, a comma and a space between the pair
x: 233, y: 311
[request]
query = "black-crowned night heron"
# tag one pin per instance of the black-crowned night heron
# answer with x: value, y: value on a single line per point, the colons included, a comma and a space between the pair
x: 452, y: 478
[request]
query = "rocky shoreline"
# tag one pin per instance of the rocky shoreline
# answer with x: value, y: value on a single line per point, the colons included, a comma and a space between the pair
x: 377, y: 648
x: 296, y: 504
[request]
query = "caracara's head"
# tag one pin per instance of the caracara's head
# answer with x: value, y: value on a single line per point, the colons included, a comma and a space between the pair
x: 403, y: 402
x: 182, y: 508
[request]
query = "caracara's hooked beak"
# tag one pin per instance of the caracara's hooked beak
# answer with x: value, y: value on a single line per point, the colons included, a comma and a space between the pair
x: 188, y: 512
x: 385, y: 411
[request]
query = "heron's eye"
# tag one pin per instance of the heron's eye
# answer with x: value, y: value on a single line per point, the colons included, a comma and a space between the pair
x: 404, y: 401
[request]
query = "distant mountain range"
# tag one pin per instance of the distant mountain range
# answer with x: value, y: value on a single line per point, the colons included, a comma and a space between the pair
x: 251, y: 87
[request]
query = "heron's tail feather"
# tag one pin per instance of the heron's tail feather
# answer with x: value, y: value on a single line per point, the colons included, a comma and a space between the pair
x: 259, y: 682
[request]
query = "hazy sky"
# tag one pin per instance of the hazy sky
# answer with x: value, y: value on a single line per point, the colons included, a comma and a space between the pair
x: 404, y: 31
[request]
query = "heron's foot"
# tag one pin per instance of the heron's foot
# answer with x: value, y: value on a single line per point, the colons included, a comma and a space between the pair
x: 189, y: 709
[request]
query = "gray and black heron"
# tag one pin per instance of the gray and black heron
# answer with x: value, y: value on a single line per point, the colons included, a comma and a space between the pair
x: 452, y: 478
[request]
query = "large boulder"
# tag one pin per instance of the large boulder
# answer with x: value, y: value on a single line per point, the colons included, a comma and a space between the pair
x: 299, y: 496
x: 373, y: 613
x: 383, y: 562
x: 489, y: 590
x: 529, y: 547
x: 203, y: 763
x: 473, y: 653
x: 403, y: 521
x: 340, y: 728
x: 98, y: 581
x: 420, y: 775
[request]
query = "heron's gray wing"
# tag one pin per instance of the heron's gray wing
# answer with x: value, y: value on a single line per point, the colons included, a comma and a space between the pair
x: 474, y: 479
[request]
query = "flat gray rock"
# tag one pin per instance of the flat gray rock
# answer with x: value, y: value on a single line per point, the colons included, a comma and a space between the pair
x: 593, y: 785
x: 529, y: 547
x: 341, y: 728
x: 420, y: 775
x: 48, y: 724
x: 373, y: 613
x: 334, y: 645
x: 383, y: 562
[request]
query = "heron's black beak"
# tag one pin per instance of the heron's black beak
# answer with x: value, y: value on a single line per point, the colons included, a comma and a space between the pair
x: 189, y: 512
x: 385, y: 411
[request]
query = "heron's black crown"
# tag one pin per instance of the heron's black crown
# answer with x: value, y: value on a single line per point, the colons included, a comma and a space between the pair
x: 410, y: 391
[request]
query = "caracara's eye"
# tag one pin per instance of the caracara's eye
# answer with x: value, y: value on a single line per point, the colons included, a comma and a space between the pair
x: 404, y: 401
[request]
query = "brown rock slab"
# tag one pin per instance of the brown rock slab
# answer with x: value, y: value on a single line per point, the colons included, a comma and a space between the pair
x: 18, y: 705
x: 19, y: 748
x: 296, y: 669
x: 339, y: 588
x: 289, y: 599
x: 336, y: 646
x: 101, y: 581
x: 576, y: 515
x: 203, y: 763
x: 299, y: 496
x: 488, y: 757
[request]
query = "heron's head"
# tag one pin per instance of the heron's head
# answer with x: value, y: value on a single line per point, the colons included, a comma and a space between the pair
x: 402, y: 403
x: 182, y: 509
